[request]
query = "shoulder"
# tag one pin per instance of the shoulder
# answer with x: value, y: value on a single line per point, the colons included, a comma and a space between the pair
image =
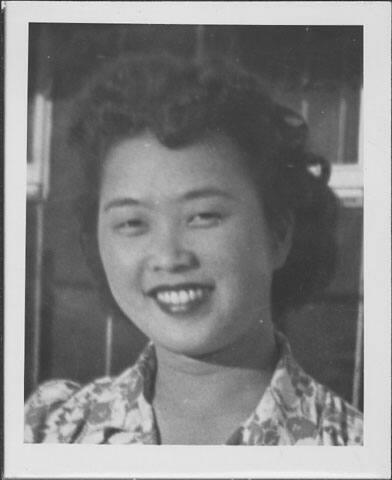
x: 336, y: 422
x: 59, y: 408
x: 48, y: 396
x: 340, y: 422
x: 313, y: 413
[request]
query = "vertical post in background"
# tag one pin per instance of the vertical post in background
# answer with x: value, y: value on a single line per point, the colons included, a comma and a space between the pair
x: 38, y: 188
x: 305, y: 79
x: 108, y: 345
x: 342, y: 121
x: 360, y: 133
x: 37, y: 293
x: 358, y: 359
x: 38, y: 163
x: 342, y: 115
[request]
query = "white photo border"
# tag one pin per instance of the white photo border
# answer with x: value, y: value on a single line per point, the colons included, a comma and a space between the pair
x: 88, y: 461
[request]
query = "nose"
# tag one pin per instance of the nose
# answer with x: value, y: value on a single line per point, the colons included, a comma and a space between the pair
x: 170, y: 254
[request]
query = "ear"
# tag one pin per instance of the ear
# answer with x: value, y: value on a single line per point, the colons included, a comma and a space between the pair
x: 282, y: 241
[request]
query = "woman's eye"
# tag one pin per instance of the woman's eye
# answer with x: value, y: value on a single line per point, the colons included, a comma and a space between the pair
x: 131, y: 227
x: 205, y: 219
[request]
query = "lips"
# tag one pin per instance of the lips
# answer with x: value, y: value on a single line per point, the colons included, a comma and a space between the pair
x: 182, y: 298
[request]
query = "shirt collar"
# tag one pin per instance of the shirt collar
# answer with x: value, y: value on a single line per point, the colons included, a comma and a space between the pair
x: 280, y: 400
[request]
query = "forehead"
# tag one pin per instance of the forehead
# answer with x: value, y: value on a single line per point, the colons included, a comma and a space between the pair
x: 143, y: 167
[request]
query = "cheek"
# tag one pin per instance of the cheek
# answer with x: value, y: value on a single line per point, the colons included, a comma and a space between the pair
x: 120, y: 263
x: 244, y: 251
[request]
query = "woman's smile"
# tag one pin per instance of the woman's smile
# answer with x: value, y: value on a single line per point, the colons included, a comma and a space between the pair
x: 181, y: 299
x: 184, y: 243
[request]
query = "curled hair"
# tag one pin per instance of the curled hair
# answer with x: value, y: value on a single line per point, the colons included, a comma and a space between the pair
x: 180, y: 102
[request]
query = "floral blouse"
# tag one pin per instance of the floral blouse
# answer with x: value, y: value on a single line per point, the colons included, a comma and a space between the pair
x: 294, y: 410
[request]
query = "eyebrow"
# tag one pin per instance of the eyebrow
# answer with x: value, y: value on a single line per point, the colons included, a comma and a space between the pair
x: 205, y: 193
x: 187, y: 196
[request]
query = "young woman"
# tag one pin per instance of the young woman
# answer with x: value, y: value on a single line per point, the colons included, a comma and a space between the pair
x: 204, y: 224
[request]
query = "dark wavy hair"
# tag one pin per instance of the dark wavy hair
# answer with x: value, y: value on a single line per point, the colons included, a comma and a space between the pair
x: 180, y: 102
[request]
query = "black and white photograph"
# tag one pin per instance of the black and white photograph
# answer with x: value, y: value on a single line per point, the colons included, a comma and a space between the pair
x: 196, y: 247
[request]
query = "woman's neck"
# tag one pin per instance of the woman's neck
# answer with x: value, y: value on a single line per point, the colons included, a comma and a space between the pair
x: 228, y: 381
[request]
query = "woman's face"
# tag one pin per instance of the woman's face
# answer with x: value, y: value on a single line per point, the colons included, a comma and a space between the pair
x: 184, y: 243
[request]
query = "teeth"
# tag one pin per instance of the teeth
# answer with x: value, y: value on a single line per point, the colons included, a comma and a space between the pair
x: 174, y: 298
x: 180, y: 297
x: 164, y: 297
x: 184, y: 297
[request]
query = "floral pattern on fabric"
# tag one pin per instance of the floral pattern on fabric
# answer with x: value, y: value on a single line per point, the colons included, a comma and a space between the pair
x: 294, y: 410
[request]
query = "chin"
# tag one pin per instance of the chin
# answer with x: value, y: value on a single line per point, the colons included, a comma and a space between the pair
x: 194, y: 347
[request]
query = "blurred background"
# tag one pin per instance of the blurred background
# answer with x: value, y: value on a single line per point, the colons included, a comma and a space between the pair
x: 315, y: 70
